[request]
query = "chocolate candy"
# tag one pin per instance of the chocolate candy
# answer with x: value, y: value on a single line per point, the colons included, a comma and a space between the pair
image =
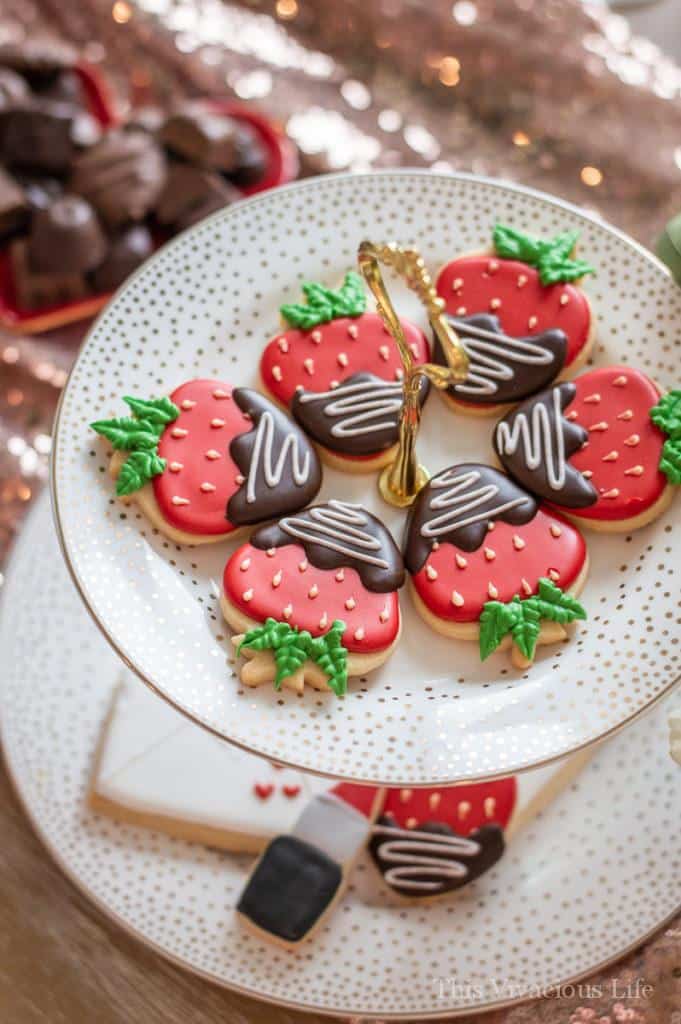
x: 251, y: 159
x: 203, y: 137
x: 40, y: 135
x: 190, y: 194
x: 145, y: 119
x: 125, y: 254
x: 13, y: 88
x: 35, y: 290
x: 14, y: 207
x: 39, y: 60
x: 66, y: 237
x: 122, y: 176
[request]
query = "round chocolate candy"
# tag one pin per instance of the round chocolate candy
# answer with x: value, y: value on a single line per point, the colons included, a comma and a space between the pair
x: 66, y: 237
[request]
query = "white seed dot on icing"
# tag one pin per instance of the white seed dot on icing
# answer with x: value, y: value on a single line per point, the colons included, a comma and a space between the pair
x: 384, y: 614
x: 384, y: 352
x: 309, y: 365
x: 342, y: 359
x: 597, y: 427
x: 221, y: 393
x: 178, y: 432
x: 313, y: 591
x: 457, y: 283
x: 213, y: 455
x: 612, y: 493
x: 492, y: 266
x: 414, y: 349
x: 588, y: 473
x: 457, y: 599
x: 277, y: 578
x: 239, y: 479
x: 340, y: 575
x: 532, y: 322
x: 431, y: 573
x: 352, y: 331
x: 399, y: 373
x: 177, y: 500
x: 634, y: 471
x: 245, y: 564
x: 434, y: 801
x: 592, y: 399
x: 247, y: 595
x: 316, y: 337
x: 283, y: 344
x: 175, y: 467
x: 324, y: 621
x: 571, y: 415
x: 464, y: 808
x: 555, y: 530
x: 492, y: 591
x: 216, y: 423
x: 461, y: 311
x: 584, y: 444
x: 207, y: 487
x: 490, y: 806
x: 494, y: 303
x: 527, y: 589
x: 405, y: 796
x: 522, y: 280
x: 187, y: 404
x: 461, y: 562
x: 350, y: 603
x: 620, y: 381
x: 271, y: 552
x: 276, y: 372
x: 288, y: 611
x: 554, y: 575
x: 435, y: 545
x: 518, y: 542
x: 626, y: 415
x: 612, y: 456
x: 333, y: 384
x: 564, y: 299
x: 490, y: 554
x: 490, y: 526
x: 359, y: 633
x: 632, y: 441
x: 302, y: 566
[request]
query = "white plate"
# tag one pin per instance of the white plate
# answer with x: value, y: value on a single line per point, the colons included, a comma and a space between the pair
x: 589, y: 879
x: 205, y: 306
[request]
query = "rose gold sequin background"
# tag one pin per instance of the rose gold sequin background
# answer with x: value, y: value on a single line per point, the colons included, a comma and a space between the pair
x: 535, y: 91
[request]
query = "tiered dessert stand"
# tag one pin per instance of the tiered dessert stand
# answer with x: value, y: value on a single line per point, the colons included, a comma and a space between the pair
x: 433, y: 715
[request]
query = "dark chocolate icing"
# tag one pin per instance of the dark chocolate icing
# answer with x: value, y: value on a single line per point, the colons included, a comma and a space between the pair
x: 503, y: 368
x: 432, y: 859
x: 456, y: 506
x: 292, y: 885
x: 534, y: 443
x: 340, y: 535
x: 360, y: 416
x: 280, y: 466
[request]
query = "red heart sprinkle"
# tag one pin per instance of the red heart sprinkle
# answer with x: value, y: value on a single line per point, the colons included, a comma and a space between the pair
x: 263, y: 790
x: 291, y: 790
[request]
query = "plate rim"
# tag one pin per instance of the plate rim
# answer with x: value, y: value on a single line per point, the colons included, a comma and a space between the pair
x: 498, y: 184
x: 103, y: 906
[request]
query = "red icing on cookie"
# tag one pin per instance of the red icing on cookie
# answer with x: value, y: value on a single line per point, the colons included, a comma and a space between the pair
x: 513, y: 292
x: 624, y: 447
x: 334, y: 351
x: 200, y: 475
x: 362, y: 798
x: 455, y: 584
x: 464, y: 808
x: 285, y: 586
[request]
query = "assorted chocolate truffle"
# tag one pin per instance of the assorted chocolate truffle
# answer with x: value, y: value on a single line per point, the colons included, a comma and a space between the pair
x: 122, y: 176
x: 66, y: 236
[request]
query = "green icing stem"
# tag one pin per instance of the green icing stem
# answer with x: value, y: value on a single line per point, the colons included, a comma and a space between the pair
x: 292, y: 647
x: 325, y: 304
x: 551, y: 257
x: 522, y: 618
x: 138, y: 435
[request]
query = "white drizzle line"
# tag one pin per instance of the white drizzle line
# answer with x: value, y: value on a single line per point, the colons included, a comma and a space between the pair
x: 461, y: 498
x: 536, y: 440
x: 339, y: 526
x: 482, y: 346
x: 416, y: 852
x: 263, y: 454
x: 359, y: 405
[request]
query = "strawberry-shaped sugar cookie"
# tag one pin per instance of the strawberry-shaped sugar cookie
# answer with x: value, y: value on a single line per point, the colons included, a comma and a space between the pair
x: 520, y: 317
x: 210, y: 459
x: 488, y: 563
x: 429, y: 842
x: 338, y: 370
x: 316, y: 596
x: 603, y: 448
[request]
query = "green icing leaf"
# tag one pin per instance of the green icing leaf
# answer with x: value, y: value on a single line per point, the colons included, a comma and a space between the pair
x: 325, y: 304
x: 139, y: 435
x: 670, y: 461
x: 291, y: 647
x: 137, y: 470
x: 127, y: 434
x: 667, y: 414
x: 156, y: 410
x: 522, y: 618
x: 550, y: 257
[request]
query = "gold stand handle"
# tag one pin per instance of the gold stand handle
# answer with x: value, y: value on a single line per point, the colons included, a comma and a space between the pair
x: 401, y: 481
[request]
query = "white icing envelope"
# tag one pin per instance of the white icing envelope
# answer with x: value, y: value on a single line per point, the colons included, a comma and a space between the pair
x: 154, y: 763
